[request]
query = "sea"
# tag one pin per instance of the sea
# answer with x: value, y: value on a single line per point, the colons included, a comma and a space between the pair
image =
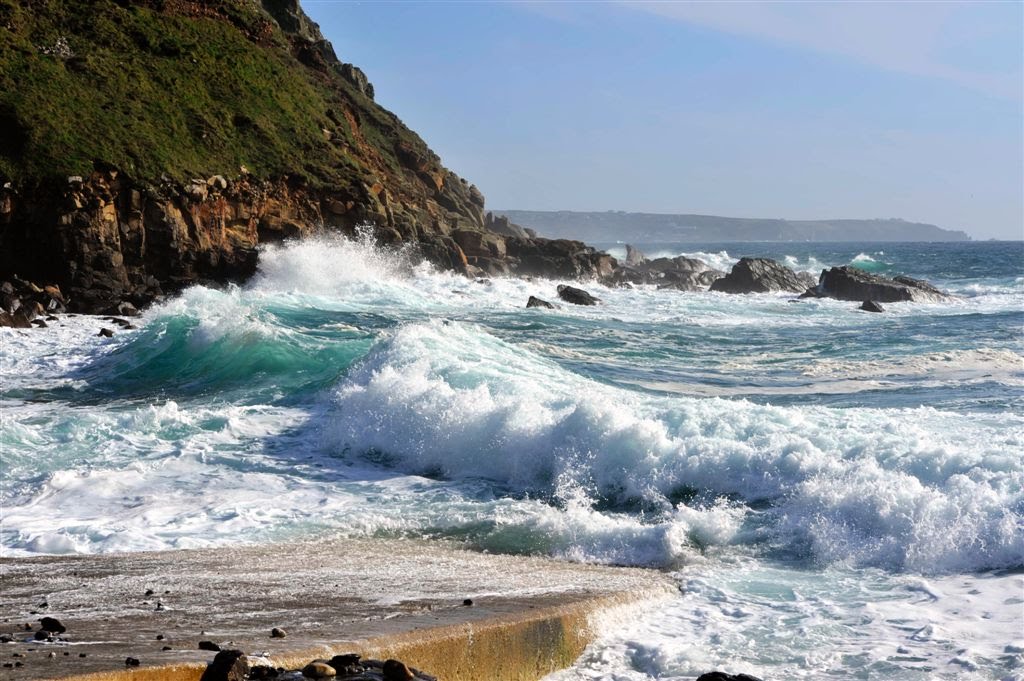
x: 837, y: 494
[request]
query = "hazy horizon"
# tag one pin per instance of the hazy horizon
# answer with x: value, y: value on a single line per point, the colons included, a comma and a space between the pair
x: 756, y: 110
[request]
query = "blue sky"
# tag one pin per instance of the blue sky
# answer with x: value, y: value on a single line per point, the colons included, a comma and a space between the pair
x: 794, y: 110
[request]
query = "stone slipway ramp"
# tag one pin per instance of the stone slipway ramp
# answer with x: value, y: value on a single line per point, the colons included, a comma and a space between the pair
x: 380, y: 598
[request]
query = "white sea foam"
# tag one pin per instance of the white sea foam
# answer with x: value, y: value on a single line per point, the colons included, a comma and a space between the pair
x: 915, y: 489
x: 772, y: 623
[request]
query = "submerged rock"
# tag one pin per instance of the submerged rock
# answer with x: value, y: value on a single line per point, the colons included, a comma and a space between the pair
x: 850, y: 283
x: 576, y: 296
x: 760, y: 275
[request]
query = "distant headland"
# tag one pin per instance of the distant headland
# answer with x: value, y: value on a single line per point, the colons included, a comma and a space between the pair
x: 611, y: 226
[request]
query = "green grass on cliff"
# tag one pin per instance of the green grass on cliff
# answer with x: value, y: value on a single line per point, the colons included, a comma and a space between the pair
x: 156, y: 90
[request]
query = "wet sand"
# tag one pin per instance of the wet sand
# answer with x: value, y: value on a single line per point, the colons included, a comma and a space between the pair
x: 382, y: 598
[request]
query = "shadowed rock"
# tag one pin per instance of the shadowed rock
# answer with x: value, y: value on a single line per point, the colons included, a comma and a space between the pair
x: 537, y: 302
x: 871, y: 306
x: 851, y: 283
x: 576, y: 296
x: 760, y: 275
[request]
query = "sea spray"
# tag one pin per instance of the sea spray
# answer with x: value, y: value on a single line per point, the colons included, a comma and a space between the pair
x: 829, y: 488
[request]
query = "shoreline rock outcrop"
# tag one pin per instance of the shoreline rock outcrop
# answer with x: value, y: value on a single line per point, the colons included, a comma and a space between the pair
x: 850, y: 283
x: 761, y: 275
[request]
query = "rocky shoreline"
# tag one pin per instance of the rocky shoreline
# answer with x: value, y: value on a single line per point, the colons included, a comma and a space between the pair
x: 507, y: 251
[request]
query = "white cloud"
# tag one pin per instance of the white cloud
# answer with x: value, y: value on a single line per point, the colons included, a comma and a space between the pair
x: 909, y: 37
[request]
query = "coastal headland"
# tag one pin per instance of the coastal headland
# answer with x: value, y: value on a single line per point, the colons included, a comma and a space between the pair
x: 452, y: 613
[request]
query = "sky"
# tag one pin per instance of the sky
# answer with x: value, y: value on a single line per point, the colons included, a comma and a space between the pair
x: 797, y: 110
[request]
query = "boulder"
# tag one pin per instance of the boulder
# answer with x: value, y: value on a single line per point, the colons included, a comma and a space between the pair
x: 228, y: 665
x: 759, y: 275
x: 394, y: 670
x: 576, y: 296
x: 850, y: 283
x: 347, y: 664
x: 634, y: 257
x: 537, y: 302
x: 871, y: 306
x: 52, y: 624
x: 318, y: 669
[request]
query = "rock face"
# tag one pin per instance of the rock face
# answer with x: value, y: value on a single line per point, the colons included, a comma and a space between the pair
x: 761, y: 275
x: 871, y: 306
x: 679, y: 273
x: 126, y: 204
x: 850, y: 283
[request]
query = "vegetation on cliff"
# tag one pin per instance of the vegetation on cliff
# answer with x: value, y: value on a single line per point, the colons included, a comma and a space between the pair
x: 183, y: 89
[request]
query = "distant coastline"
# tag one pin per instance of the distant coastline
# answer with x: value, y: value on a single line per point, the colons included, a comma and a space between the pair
x: 610, y: 226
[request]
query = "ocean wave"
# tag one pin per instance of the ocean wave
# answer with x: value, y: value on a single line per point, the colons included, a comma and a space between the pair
x: 904, y: 489
x: 863, y: 261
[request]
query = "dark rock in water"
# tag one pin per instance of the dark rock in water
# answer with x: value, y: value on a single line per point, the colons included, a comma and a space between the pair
x: 850, y: 283
x: 722, y: 676
x: 43, y: 635
x: 228, y: 665
x: 131, y: 662
x: 277, y: 632
x: 40, y: 323
x: 759, y: 275
x: 576, y: 296
x: 537, y: 302
x: 397, y: 671
x: 167, y: 648
x: 871, y: 306
x: 52, y: 624
x: 634, y: 257
x: 6, y: 638
x: 318, y: 669
x: 811, y: 292
x: 467, y: 601
x: 106, y: 333
x: 208, y: 645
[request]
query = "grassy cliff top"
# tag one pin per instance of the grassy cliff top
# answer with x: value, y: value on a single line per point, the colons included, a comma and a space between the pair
x: 186, y: 88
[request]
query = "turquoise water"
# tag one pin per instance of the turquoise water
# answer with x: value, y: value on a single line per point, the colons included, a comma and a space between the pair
x: 837, y: 493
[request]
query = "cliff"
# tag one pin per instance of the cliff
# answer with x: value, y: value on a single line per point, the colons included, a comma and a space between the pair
x: 611, y: 226
x: 149, y: 144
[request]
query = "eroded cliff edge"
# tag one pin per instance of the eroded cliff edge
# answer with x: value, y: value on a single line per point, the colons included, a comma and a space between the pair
x: 149, y: 144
